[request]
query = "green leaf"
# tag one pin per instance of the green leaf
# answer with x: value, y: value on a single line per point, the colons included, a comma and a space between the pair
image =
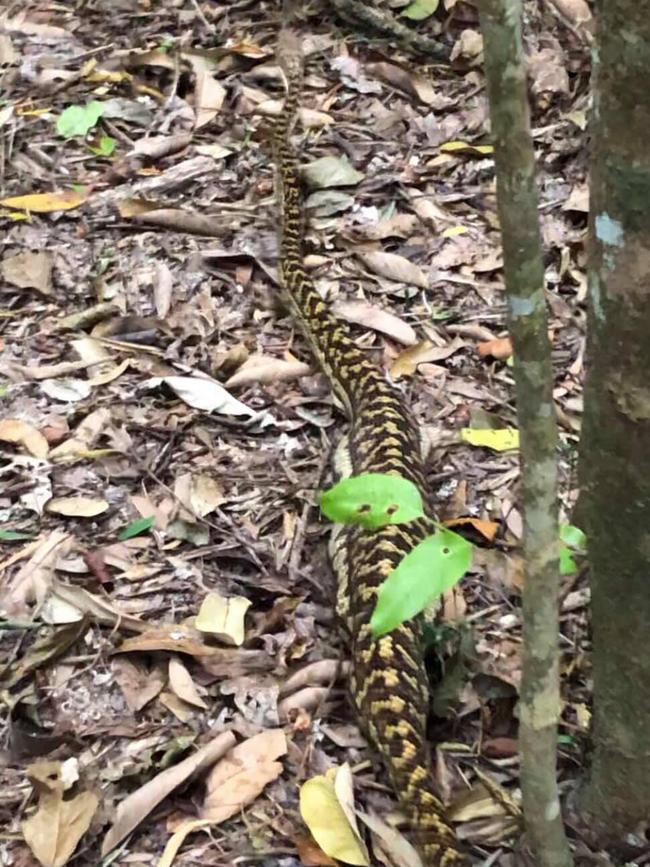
x: 135, y: 528
x: 432, y: 567
x: 418, y: 10
x: 78, y: 119
x: 573, y: 537
x: 14, y: 536
x: 499, y: 440
x: 372, y: 500
x: 104, y: 147
x: 568, y: 565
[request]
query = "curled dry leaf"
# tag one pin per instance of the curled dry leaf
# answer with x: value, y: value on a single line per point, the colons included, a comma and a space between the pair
x: 180, y: 680
x: 209, y: 95
x: 32, y: 582
x: 223, y: 617
x: 387, y: 839
x: 13, y: 430
x: 371, y: 316
x: 77, y: 507
x: 140, y: 803
x: 394, y: 267
x: 240, y: 777
x: 424, y: 352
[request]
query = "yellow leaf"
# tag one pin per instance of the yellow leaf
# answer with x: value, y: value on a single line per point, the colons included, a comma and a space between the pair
x: 13, y: 430
x: 177, y: 839
x: 463, y: 146
x: 452, y: 231
x: 45, y: 203
x: 499, y: 440
x: 223, y: 616
x: 323, y: 814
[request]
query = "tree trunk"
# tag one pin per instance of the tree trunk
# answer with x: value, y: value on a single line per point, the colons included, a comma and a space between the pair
x: 615, y: 449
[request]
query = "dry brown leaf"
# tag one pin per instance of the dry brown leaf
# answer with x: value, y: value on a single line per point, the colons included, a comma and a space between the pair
x: 388, y: 840
x: 180, y: 680
x: 199, y: 494
x: 394, y: 267
x: 397, y: 76
x: 140, y: 803
x: 371, y: 316
x: 13, y: 430
x: 177, y: 639
x: 487, y: 529
x: 58, y: 825
x: 100, y: 608
x: 209, y: 95
x: 242, y: 775
x: 77, y: 507
x: 138, y: 683
x: 425, y: 352
x: 264, y: 369
x: 181, y: 710
x: 32, y: 582
x: 29, y: 270
x: 500, y: 347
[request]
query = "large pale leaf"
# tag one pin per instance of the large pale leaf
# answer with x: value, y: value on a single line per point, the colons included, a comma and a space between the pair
x: 394, y: 267
x: 326, y: 818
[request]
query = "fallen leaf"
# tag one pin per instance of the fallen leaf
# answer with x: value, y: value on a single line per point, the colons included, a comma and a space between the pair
x: 178, y: 838
x: 487, y: 529
x: 325, y: 817
x: 52, y: 645
x: 29, y: 270
x: 400, y: 852
x: 242, y: 775
x: 500, y: 440
x: 371, y: 316
x: 209, y: 95
x: 331, y: 172
x: 140, y: 803
x: 32, y: 582
x: 310, y: 853
x: 464, y: 147
x: 264, y: 369
x: 66, y: 390
x: 58, y: 825
x: 500, y: 347
x: 202, y: 393
x: 199, y: 494
x: 46, y: 203
x: 180, y: 680
x: 418, y: 10
x: 13, y: 430
x: 139, y: 684
x: 177, y: 639
x: 395, y: 267
x: 425, y: 352
x: 223, y: 617
x: 77, y: 507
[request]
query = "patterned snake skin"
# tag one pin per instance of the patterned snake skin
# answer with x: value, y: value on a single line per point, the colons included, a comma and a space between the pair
x: 389, y: 680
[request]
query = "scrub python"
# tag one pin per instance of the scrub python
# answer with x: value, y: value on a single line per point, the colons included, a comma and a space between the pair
x: 389, y: 681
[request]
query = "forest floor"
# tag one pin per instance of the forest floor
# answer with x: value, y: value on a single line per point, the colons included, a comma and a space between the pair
x: 164, y: 433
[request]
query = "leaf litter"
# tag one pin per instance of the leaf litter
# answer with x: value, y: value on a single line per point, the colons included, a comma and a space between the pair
x: 164, y: 428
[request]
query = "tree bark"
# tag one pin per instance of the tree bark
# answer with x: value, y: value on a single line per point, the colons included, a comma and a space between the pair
x: 615, y: 447
x: 539, y: 705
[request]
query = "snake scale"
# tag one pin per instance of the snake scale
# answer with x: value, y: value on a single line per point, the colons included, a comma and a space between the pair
x: 389, y: 678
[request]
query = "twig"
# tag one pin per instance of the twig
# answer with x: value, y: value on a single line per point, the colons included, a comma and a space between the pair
x: 517, y: 199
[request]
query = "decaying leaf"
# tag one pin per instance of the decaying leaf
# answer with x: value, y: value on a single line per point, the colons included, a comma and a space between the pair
x: 77, y: 507
x: 395, y: 267
x: 180, y: 680
x: 199, y: 494
x: 331, y: 172
x: 178, y: 639
x: 32, y: 582
x: 371, y: 316
x: 328, y: 821
x: 140, y: 803
x: 242, y: 774
x: 203, y: 393
x: 223, y: 617
x: 45, y: 203
x: 54, y: 830
x: 13, y: 430
x: 29, y: 270
x: 264, y: 369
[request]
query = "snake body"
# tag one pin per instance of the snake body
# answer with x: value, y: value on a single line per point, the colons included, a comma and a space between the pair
x: 389, y: 686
